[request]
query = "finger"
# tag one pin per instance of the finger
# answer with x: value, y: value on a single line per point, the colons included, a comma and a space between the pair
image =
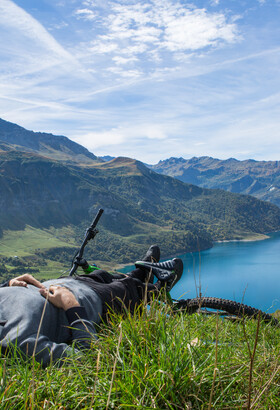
x: 53, y: 288
x: 44, y: 292
x: 18, y: 283
x: 36, y: 283
x: 32, y: 281
x: 23, y: 284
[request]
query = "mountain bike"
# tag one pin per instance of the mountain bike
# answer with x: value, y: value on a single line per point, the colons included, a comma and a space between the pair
x: 226, y: 308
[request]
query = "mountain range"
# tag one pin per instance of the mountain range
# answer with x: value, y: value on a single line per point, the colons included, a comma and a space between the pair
x: 14, y: 137
x: 48, y: 180
x: 258, y: 178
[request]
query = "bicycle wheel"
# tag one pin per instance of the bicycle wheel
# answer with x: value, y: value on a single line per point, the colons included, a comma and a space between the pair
x: 224, y: 306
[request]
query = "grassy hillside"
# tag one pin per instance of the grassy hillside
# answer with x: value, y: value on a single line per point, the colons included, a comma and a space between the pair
x: 157, y: 360
x: 20, y: 252
x: 141, y: 207
x: 25, y: 242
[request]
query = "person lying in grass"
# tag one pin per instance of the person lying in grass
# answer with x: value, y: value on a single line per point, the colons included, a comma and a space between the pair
x: 44, y: 319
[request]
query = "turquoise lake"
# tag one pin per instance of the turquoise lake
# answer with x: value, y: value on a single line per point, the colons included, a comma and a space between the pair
x: 240, y: 271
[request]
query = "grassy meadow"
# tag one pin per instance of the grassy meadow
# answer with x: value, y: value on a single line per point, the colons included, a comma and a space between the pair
x: 25, y: 244
x: 156, y: 359
x: 27, y: 241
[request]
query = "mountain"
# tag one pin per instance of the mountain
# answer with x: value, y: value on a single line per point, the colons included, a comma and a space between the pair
x: 141, y: 206
x: 49, y: 181
x: 58, y: 147
x: 258, y: 178
x: 106, y: 158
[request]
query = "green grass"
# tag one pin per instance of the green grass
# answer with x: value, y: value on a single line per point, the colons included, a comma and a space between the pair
x: 24, y: 243
x: 51, y: 271
x: 157, y: 360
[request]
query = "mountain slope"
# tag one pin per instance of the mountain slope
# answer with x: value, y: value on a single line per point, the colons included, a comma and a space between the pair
x: 14, y: 137
x: 141, y: 206
x: 258, y: 178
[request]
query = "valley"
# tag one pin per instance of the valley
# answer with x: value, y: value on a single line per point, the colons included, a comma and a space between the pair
x: 53, y: 201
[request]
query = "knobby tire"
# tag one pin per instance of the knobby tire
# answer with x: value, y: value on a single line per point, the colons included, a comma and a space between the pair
x: 224, y: 305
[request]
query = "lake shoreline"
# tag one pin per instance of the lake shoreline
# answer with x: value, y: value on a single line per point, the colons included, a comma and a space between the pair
x: 250, y: 238
x: 245, y: 271
x: 253, y: 238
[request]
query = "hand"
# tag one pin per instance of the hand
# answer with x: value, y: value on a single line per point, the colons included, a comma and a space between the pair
x: 24, y: 280
x: 82, y: 263
x: 60, y: 297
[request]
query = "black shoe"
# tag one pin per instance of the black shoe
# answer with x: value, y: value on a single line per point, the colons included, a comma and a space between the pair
x: 152, y: 254
x: 168, y: 273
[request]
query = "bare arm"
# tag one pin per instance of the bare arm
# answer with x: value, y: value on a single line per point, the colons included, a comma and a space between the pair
x: 25, y: 280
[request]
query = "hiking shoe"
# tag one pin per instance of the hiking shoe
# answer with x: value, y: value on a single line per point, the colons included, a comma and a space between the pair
x: 152, y: 254
x: 168, y: 273
x: 145, y: 275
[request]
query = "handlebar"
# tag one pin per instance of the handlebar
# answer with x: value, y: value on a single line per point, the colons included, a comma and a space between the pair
x: 90, y: 234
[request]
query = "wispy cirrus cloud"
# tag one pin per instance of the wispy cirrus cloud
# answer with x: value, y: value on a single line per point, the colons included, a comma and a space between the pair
x: 144, y: 79
x: 32, y: 60
x: 36, y: 69
x: 29, y: 29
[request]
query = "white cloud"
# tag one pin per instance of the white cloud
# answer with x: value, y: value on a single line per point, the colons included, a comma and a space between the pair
x: 146, y: 79
x: 134, y: 50
x: 123, y: 61
x: 94, y: 140
x: 154, y: 32
x: 102, y: 48
x: 37, y: 72
x: 124, y: 72
x: 14, y: 18
x: 196, y: 29
x: 86, y: 14
x: 122, y: 135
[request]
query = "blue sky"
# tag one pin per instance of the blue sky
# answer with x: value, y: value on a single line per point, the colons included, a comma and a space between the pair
x: 145, y: 79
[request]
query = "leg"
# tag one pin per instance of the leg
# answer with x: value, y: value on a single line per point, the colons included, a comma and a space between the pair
x: 122, y: 294
x: 152, y: 255
x: 129, y: 293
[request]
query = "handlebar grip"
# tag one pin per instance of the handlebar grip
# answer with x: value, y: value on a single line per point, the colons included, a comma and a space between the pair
x: 96, y: 219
